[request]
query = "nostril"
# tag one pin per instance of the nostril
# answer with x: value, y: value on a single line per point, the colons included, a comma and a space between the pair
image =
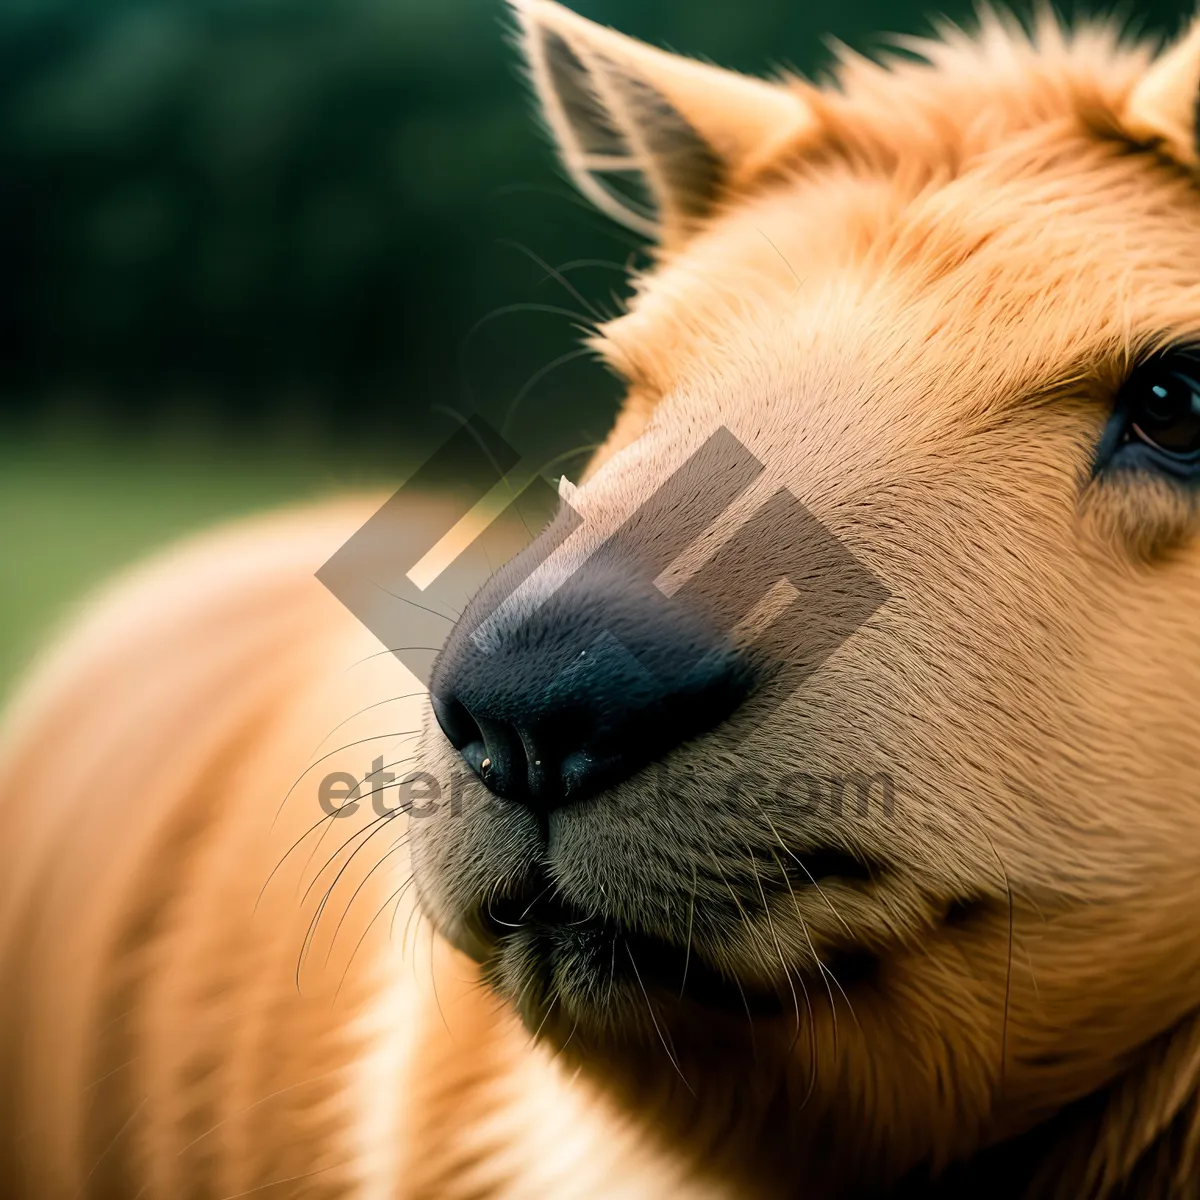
x: 483, y: 746
x: 504, y: 754
x: 499, y: 753
x: 457, y: 723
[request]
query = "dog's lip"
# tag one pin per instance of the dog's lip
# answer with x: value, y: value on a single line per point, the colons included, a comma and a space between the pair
x: 650, y: 963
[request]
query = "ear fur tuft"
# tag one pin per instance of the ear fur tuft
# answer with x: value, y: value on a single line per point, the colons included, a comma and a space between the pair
x: 651, y: 138
x: 1162, y: 108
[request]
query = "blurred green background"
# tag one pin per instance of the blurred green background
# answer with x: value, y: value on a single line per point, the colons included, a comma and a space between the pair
x: 252, y: 250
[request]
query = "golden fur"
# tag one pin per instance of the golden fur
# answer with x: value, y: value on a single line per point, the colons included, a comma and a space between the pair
x: 912, y: 298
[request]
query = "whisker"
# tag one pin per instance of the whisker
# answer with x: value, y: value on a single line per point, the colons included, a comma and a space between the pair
x: 376, y: 737
x: 1008, y: 967
x: 358, y: 662
x: 562, y: 1049
x: 396, y: 846
x: 250, y: 1107
x: 553, y: 273
x: 503, y: 311
x: 288, y: 853
x: 276, y: 1182
x: 396, y: 895
x: 577, y: 264
x: 313, y: 852
x: 433, y: 982
x: 586, y: 448
x: 367, y: 709
x: 325, y: 819
x: 370, y: 829
x: 799, y: 281
x: 535, y: 379
x: 526, y: 306
x: 826, y: 973
x: 414, y: 912
x: 116, y: 1137
x: 576, y: 201
x: 546, y: 1015
x: 424, y: 608
x: 654, y: 1020
x: 801, y: 864
x: 687, y: 954
x: 787, y: 973
x: 745, y: 921
x: 529, y: 906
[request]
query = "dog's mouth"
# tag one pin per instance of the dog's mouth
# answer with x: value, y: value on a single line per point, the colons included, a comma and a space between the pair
x: 608, y: 958
x: 547, y: 952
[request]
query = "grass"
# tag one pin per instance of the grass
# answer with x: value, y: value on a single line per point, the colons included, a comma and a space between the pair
x: 73, y: 512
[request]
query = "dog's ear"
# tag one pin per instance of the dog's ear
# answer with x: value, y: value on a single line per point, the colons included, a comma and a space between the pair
x: 1162, y: 108
x: 652, y: 139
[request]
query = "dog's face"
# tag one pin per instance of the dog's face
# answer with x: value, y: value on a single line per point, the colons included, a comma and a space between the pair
x: 942, y: 885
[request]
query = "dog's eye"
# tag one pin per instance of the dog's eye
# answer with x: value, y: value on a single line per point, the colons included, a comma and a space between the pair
x: 1164, y: 407
x: 1156, y: 421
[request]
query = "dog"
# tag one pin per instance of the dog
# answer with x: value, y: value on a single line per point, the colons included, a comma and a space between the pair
x: 925, y: 341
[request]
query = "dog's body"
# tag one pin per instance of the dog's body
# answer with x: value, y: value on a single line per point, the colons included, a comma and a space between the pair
x: 168, y: 1028
x: 915, y: 302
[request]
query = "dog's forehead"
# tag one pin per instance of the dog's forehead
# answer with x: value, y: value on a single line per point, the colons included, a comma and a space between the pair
x: 1055, y: 254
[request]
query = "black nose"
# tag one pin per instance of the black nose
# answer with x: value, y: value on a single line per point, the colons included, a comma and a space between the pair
x: 604, y: 676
